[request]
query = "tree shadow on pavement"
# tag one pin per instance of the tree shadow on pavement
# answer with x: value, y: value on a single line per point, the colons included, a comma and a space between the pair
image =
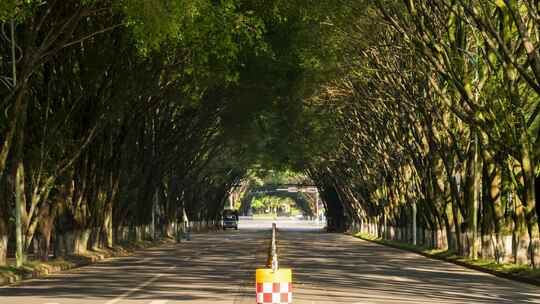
x: 204, y: 269
x: 219, y: 268
x: 343, y: 269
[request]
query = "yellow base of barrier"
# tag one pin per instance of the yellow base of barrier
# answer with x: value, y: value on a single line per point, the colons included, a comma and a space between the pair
x: 274, y: 287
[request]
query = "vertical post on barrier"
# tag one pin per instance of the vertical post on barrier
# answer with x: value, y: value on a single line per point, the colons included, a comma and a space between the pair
x: 273, y: 252
x: 273, y: 285
x: 317, y: 206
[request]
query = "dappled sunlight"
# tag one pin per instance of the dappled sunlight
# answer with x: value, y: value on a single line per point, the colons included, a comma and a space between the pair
x: 343, y: 269
x: 204, y: 269
x: 327, y: 268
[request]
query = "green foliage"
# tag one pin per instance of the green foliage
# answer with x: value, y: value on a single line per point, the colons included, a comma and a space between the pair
x: 17, y: 9
x: 272, y: 204
x: 153, y: 22
x: 267, y: 116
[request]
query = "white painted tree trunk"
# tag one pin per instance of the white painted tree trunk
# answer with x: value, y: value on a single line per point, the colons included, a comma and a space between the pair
x: 80, y: 241
x: 3, y: 248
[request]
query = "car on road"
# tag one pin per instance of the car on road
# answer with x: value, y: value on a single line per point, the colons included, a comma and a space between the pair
x: 230, y: 219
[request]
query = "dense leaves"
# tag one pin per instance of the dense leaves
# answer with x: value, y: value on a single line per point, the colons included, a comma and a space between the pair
x: 436, y: 107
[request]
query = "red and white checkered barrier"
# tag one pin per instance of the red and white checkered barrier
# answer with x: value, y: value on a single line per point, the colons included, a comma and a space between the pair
x: 274, y: 293
x: 273, y: 285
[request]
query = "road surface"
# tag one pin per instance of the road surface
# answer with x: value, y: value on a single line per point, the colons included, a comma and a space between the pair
x: 219, y: 268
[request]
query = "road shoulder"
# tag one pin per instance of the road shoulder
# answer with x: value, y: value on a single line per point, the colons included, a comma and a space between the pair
x: 531, y: 276
x: 36, y: 269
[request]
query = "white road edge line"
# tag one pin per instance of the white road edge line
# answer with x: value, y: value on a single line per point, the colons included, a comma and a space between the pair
x: 135, y: 289
x: 159, y: 302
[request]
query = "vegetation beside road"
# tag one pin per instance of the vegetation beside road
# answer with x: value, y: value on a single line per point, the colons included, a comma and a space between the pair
x: 120, y: 119
x: 36, y: 268
x: 520, y: 272
x: 405, y: 114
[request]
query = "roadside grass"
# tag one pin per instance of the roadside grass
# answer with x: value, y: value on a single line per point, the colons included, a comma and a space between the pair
x: 520, y: 272
x: 36, y: 268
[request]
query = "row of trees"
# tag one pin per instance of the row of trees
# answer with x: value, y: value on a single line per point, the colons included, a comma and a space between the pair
x: 121, y: 115
x: 438, y: 110
x: 418, y: 120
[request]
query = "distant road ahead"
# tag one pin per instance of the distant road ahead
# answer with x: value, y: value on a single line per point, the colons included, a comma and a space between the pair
x: 286, y: 224
x: 219, y: 268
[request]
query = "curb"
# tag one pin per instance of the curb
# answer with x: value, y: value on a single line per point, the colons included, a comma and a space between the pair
x: 74, y: 262
x: 46, y: 269
x: 508, y: 276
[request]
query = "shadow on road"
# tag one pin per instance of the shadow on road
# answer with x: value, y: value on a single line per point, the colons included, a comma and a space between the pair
x: 206, y: 268
x: 219, y: 267
x: 343, y: 269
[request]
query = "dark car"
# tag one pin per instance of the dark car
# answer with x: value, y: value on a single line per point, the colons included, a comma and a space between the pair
x: 230, y: 219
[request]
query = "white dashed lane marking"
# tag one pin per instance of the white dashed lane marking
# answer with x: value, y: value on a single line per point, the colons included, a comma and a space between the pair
x: 135, y: 289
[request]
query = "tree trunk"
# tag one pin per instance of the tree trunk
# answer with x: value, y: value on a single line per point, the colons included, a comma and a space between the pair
x: 3, y: 241
x: 456, y: 217
x: 15, y: 117
x: 121, y: 233
x: 46, y: 224
x: 59, y: 246
x: 498, y: 220
x: 531, y: 217
x: 44, y: 246
x: 20, y: 209
x: 477, y: 186
x: 95, y: 238
x: 107, y: 226
x: 168, y: 228
x: 44, y: 236
x: 139, y: 230
x: 68, y: 243
x: 78, y: 241
x: 519, y: 246
x: 4, y: 219
x: 449, y: 227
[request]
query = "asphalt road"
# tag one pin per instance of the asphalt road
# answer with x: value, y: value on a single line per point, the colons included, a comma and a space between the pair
x: 219, y: 268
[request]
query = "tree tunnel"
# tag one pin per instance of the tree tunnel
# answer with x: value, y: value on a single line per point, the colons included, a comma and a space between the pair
x: 305, y: 195
x: 124, y: 125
